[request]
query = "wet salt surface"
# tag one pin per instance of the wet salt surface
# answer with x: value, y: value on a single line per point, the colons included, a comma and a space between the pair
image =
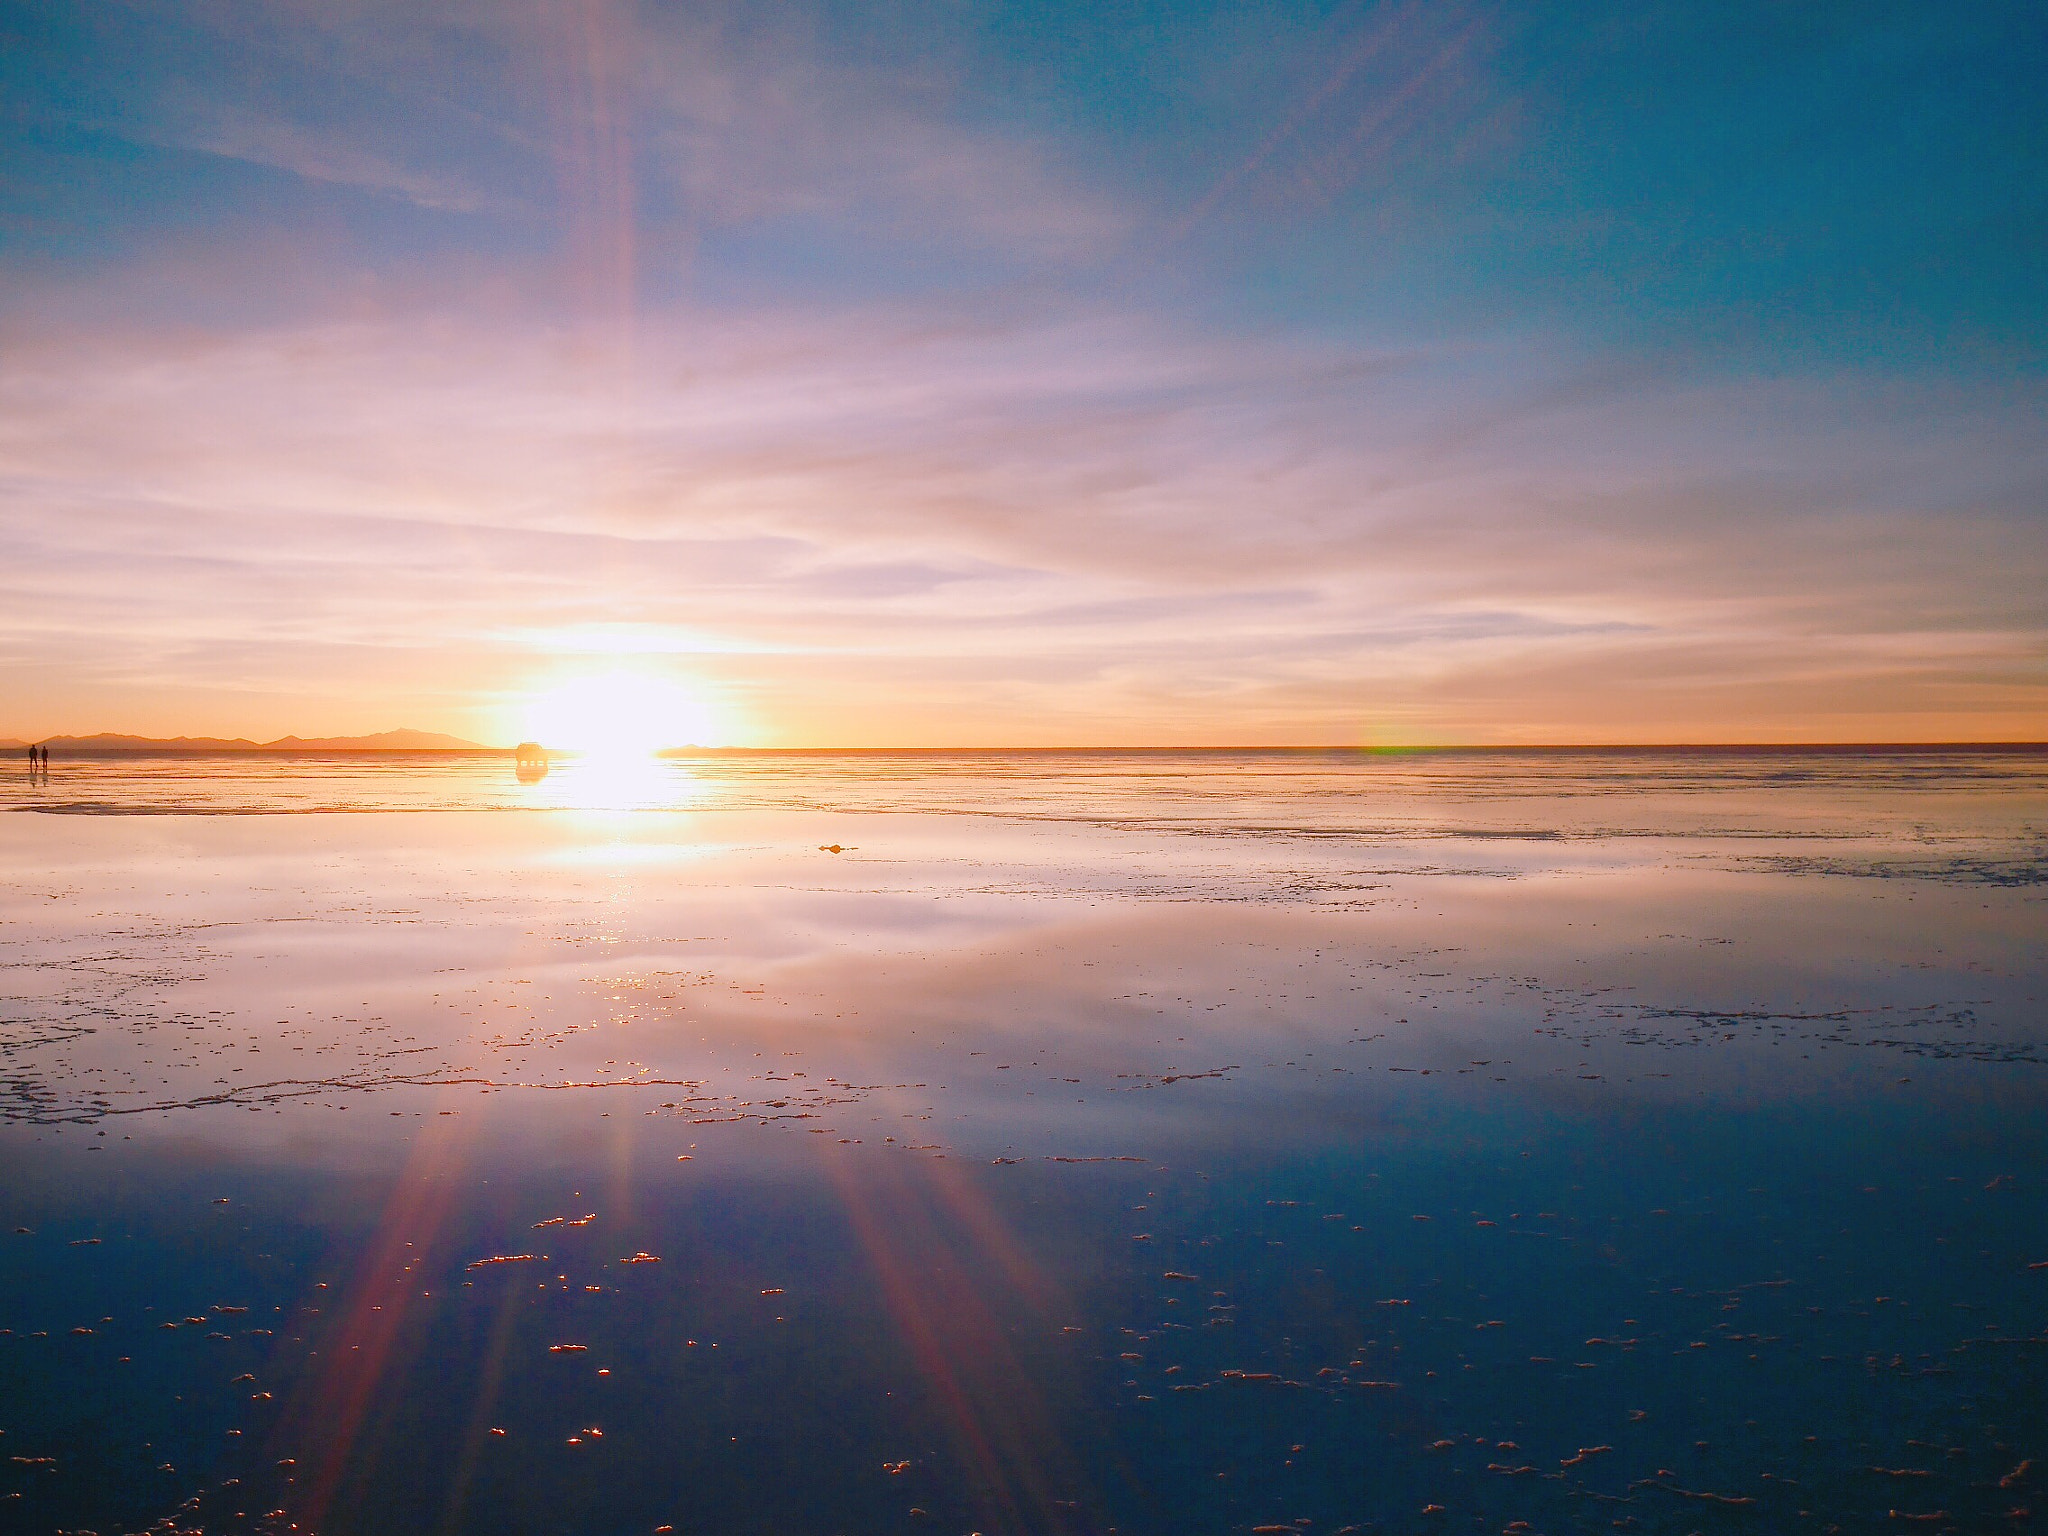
x: 1149, y: 1145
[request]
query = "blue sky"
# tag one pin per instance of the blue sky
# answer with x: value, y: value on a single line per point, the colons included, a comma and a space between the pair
x: 929, y: 373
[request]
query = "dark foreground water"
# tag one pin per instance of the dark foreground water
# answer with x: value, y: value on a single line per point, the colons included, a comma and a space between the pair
x: 1026, y: 1144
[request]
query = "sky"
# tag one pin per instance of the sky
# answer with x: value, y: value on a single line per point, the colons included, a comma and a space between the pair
x: 1114, y: 373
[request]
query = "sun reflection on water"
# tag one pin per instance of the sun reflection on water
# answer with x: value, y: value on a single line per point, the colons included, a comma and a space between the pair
x: 617, y: 781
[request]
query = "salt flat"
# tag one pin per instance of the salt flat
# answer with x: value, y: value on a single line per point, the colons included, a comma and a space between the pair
x: 1031, y: 1141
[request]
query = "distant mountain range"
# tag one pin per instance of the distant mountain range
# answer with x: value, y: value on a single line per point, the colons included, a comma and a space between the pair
x: 109, y: 743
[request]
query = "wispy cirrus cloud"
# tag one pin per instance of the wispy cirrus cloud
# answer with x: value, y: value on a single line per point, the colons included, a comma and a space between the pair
x: 620, y: 130
x: 282, y: 145
x: 1107, y: 516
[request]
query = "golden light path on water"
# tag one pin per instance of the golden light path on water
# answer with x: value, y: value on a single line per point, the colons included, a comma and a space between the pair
x: 627, y: 781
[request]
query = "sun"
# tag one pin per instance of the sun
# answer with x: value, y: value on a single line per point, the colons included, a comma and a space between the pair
x: 619, y: 714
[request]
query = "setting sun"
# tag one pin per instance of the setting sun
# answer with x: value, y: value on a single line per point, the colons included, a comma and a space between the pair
x: 619, y: 714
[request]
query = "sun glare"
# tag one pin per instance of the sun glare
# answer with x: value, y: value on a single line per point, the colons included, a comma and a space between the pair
x: 618, y: 715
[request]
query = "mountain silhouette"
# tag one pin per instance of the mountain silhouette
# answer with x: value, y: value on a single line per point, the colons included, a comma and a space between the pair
x: 108, y: 743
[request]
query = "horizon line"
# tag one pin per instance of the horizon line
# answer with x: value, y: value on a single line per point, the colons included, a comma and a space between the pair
x: 218, y: 747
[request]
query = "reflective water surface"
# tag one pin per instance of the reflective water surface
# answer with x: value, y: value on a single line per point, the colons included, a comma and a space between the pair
x: 1033, y: 1142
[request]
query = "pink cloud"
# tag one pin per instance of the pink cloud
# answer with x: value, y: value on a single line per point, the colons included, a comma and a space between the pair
x: 1093, y: 522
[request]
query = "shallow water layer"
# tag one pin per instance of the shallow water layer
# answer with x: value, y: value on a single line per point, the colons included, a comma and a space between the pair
x: 1033, y: 1143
